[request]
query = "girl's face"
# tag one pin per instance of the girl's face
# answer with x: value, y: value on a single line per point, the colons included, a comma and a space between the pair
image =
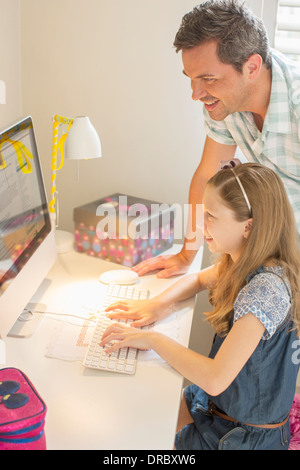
x: 222, y: 232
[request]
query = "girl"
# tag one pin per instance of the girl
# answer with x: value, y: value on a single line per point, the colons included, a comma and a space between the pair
x: 243, y: 391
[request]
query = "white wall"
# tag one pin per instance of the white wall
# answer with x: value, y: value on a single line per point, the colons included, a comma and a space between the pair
x: 267, y: 10
x: 10, y: 71
x: 114, y: 61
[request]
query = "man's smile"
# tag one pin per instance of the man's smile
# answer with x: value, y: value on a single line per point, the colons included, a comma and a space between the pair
x: 210, y: 103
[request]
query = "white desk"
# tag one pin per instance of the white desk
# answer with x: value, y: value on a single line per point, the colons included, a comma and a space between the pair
x: 90, y: 409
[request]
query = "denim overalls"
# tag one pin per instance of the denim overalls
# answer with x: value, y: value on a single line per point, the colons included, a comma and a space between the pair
x: 262, y: 393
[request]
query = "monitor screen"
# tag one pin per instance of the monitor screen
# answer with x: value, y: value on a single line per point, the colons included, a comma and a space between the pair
x: 24, y: 219
x: 24, y: 216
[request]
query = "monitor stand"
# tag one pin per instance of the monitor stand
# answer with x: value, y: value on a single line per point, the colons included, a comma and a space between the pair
x: 28, y: 321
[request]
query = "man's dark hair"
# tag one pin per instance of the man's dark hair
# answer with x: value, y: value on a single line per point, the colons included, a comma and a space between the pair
x: 238, y: 32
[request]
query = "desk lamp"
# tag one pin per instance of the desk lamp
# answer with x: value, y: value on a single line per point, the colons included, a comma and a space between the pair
x: 81, y: 141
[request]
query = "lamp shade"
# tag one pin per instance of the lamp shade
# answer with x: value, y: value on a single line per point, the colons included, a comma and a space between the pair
x: 82, y: 141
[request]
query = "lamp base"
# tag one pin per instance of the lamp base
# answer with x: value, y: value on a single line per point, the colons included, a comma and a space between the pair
x: 64, y: 241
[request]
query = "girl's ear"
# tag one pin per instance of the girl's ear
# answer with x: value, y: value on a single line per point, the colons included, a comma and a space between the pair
x: 248, y: 227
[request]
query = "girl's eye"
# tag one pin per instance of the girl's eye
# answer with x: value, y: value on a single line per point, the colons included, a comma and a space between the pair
x: 208, y: 80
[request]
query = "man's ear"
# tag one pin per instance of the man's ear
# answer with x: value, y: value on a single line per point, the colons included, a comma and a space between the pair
x: 253, y: 66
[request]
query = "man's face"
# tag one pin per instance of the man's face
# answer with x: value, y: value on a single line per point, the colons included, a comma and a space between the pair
x: 221, y: 88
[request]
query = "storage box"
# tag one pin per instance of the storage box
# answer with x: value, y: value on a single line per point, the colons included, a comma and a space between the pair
x: 124, y: 229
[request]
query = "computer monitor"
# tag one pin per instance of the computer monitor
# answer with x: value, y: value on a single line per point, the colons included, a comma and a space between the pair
x: 27, y: 243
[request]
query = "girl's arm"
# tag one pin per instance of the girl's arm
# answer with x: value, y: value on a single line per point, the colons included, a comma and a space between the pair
x: 212, y: 375
x: 144, y: 312
x: 189, y: 286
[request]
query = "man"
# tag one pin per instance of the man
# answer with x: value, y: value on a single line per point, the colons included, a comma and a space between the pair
x: 251, y: 97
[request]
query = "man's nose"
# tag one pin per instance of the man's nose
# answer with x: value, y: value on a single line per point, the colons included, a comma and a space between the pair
x: 197, y: 91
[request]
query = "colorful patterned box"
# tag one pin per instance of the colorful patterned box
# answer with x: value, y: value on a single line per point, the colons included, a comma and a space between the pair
x: 123, y: 229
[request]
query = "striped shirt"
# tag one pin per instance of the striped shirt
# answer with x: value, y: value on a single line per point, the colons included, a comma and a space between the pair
x: 278, y: 145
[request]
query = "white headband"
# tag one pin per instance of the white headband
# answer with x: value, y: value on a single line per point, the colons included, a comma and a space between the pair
x: 230, y: 165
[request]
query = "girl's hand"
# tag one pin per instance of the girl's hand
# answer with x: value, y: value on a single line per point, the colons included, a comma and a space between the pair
x: 125, y: 336
x: 142, y: 312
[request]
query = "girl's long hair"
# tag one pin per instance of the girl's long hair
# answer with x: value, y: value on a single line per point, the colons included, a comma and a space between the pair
x: 273, y: 238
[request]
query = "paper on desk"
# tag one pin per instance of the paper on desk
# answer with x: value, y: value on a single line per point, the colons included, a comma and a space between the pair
x: 75, y: 324
x: 169, y: 327
x: 70, y: 340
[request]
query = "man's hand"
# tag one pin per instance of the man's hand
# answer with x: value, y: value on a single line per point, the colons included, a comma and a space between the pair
x: 170, y: 265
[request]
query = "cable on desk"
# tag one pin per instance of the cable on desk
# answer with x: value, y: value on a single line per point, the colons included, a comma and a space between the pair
x: 91, y: 319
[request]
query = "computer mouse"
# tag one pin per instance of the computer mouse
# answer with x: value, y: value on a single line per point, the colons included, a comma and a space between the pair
x: 119, y: 276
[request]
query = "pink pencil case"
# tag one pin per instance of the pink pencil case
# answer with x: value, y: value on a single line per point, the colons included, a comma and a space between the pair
x: 22, y: 413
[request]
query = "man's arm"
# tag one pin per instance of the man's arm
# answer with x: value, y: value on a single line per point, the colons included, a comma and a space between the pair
x: 213, y: 153
x: 171, y: 265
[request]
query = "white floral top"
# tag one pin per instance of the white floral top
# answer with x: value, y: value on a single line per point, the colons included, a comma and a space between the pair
x: 267, y: 295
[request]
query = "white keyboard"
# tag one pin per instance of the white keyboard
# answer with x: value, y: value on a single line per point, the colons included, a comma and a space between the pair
x: 124, y: 360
